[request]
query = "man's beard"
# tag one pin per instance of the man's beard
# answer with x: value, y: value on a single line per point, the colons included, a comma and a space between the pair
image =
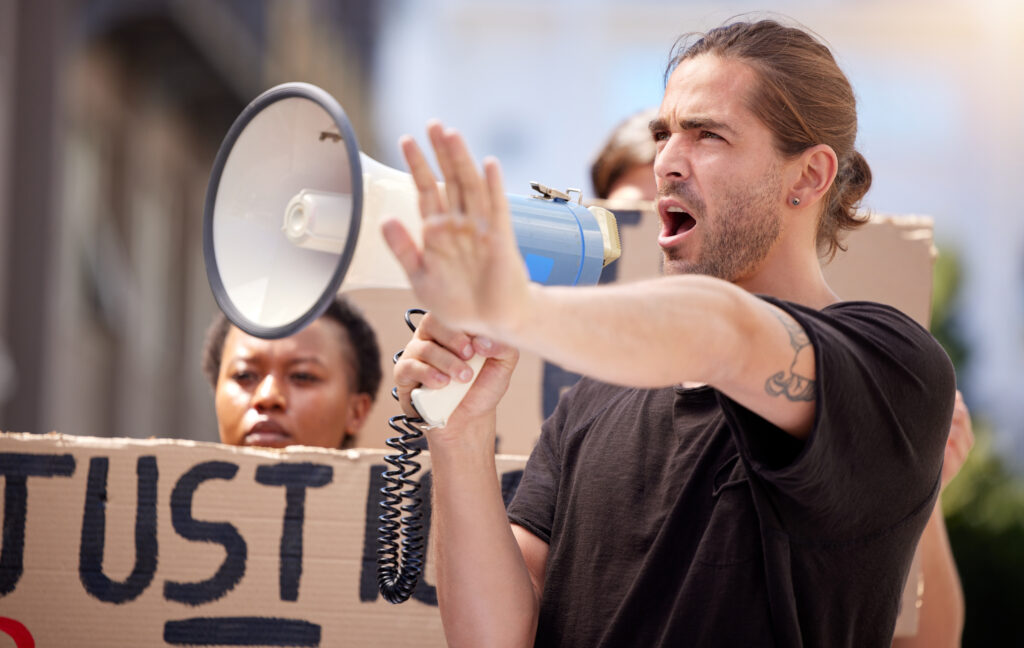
x: 738, y: 238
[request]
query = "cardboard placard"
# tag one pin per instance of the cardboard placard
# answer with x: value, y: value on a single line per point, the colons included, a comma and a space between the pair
x: 120, y: 542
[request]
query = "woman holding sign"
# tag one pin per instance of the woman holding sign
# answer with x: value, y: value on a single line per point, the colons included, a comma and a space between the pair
x: 312, y: 388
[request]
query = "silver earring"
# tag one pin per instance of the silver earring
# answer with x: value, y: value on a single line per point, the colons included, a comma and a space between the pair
x: 795, y: 201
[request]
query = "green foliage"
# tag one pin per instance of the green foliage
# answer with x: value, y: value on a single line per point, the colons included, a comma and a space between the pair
x: 983, y: 505
x: 945, y: 287
x: 984, y: 509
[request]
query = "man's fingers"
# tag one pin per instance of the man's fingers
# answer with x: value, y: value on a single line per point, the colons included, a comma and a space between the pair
x: 436, y: 133
x: 489, y: 348
x: 402, y: 246
x: 444, y: 363
x: 496, y: 194
x: 458, y: 342
x: 474, y: 199
x: 423, y: 177
x: 411, y: 373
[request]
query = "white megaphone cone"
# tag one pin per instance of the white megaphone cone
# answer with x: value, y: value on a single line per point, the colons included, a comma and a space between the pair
x: 293, y: 215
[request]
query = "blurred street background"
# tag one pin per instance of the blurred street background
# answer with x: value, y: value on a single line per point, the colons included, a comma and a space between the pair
x: 111, y: 112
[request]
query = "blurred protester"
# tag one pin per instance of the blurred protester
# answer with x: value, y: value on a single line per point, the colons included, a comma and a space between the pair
x: 624, y: 169
x: 312, y: 388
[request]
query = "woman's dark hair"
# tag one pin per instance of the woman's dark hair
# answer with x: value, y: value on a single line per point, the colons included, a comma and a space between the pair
x: 804, y: 99
x: 360, y: 338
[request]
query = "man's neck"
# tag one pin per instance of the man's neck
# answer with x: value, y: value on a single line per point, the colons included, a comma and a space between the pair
x: 795, y: 279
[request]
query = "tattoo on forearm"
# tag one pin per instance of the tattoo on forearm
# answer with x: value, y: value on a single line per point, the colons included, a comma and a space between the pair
x: 788, y: 383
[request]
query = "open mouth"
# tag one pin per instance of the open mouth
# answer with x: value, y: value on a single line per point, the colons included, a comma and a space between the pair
x: 675, y: 220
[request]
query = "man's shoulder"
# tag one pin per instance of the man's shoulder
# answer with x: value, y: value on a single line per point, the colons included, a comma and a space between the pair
x: 872, y: 329
x: 861, y: 316
x: 861, y: 309
x: 846, y: 309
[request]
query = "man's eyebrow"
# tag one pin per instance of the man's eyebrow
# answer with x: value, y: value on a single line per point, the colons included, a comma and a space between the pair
x: 657, y: 124
x: 704, y: 123
x: 694, y: 123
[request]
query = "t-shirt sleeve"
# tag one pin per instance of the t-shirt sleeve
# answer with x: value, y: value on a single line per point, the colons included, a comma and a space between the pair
x: 884, y: 399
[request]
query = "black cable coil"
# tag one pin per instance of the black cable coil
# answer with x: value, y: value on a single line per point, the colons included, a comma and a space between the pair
x: 400, y: 554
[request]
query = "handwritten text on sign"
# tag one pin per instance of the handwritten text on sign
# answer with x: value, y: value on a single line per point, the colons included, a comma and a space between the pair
x: 179, y: 543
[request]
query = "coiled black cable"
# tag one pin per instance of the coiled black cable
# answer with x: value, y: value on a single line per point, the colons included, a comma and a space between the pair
x: 400, y: 553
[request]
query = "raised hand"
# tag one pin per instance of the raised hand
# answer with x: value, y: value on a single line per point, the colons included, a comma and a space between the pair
x: 468, y: 271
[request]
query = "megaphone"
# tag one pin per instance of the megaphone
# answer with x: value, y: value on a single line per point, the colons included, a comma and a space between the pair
x: 293, y: 214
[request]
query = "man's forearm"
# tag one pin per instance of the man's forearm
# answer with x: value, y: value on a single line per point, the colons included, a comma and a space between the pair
x: 484, y: 589
x: 651, y: 333
x: 673, y: 330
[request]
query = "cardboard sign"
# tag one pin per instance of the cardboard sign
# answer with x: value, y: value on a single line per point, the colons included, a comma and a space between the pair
x: 173, y: 543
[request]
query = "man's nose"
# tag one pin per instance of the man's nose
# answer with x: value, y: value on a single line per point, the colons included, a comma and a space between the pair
x: 672, y: 162
x: 269, y: 395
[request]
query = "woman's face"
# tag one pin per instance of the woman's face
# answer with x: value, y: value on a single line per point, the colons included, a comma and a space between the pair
x: 292, y: 391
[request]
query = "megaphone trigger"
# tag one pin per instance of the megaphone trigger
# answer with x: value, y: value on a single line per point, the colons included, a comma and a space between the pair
x: 436, y: 405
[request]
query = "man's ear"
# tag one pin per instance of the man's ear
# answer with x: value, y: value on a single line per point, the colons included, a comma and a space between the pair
x: 816, y: 170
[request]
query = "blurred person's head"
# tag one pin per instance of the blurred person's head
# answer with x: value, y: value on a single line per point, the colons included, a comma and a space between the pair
x: 802, y: 97
x: 312, y: 388
x: 624, y: 169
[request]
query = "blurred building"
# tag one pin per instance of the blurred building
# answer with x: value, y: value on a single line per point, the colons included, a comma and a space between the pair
x: 110, y: 116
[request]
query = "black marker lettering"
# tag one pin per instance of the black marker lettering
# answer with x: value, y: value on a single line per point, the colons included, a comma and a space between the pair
x: 94, y: 524
x: 241, y: 631
x: 296, y: 478
x: 17, y: 468
x: 233, y: 567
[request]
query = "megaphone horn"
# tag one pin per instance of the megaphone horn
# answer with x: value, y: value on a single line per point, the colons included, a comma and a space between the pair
x: 293, y: 213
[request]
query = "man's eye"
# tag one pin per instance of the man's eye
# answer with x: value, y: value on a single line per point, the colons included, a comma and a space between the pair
x: 660, y: 136
x: 709, y: 135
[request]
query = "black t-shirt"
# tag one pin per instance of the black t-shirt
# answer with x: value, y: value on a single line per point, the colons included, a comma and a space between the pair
x: 679, y: 518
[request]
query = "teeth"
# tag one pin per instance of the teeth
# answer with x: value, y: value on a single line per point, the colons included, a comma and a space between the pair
x: 676, y: 210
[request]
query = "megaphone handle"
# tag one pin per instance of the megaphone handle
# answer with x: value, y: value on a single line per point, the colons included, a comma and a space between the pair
x: 436, y: 405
